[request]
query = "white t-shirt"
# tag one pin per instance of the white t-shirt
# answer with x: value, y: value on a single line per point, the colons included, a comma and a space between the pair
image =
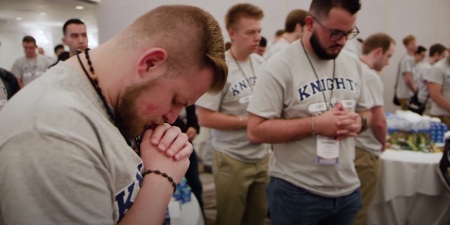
x: 28, y: 70
x: 367, y: 140
x: 281, y: 44
x: 3, y: 94
x: 422, y: 70
x: 406, y: 65
x: 233, y: 100
x: 287, y: 88
x: 440, y: 74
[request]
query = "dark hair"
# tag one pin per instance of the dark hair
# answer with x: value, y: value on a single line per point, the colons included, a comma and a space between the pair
x: 263, y: 42
x: 279, y: 32
x: 296, y: 16
x: 420, y: 49
x: 60, y: 46
x: 377, y: 40
x: 71, y: 21
x: 29, y: 38
x: 437, y: 48
x: 321, y: 8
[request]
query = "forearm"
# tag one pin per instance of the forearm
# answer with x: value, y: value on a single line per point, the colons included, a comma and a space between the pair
x: 379, y: 124
x: 281, y: 130
x: 156, y: 191
x: 410, y: 82
x: 221, y: 121
x: 442, y: 102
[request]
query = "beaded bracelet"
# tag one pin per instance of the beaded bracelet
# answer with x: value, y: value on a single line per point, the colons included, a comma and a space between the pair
x: 162, y: 174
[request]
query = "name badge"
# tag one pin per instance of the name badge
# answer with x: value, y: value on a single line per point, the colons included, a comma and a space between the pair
x: 327, y: 151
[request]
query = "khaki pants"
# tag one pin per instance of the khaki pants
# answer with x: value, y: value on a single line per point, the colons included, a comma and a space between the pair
x: 240, y: 190
x: 367, y: 166
x: 404, y: 102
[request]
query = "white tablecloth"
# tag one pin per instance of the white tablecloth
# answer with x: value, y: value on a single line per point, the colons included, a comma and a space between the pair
x: 410, y: 191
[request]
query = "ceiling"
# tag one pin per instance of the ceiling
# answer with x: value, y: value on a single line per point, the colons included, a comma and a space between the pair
x: 20, y: 14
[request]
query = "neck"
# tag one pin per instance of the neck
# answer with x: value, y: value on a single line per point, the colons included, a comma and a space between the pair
x: 291, y: 37
x: 411, y: 53
x: 367, y: 60
x: 307, y: 44
x: 108, y: 65
x: 238, y: 54
x: 32, y: 57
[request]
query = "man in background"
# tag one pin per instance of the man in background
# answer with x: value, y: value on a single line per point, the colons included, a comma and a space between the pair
x: 435, y: 54
x: 74, y: 36
x: 438, y: 83
x: 239, y: 165
x: 376, y: 52
x: 293, y: 29
x: 32, y: 65
x: 405, y: 85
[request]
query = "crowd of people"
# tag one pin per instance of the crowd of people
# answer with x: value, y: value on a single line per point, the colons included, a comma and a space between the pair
x: 297, y: 124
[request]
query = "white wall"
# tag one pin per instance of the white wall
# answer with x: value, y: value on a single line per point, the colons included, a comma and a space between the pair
x: 427, y: 20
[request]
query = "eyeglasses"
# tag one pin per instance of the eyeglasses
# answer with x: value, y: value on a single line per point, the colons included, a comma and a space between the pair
x: 336, y: 35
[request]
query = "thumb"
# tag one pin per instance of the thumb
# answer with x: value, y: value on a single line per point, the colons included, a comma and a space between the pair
x: 339, y: 106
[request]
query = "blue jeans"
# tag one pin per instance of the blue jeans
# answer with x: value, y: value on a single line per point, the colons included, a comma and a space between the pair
x: 289, y: 204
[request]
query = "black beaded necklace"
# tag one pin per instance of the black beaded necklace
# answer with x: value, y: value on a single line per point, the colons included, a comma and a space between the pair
x: 94, y: 81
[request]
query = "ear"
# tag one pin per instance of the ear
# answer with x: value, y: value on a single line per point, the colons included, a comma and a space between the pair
x: 309, y: 23
x: 152, y: 60
x: 231, y: 33
x: 378, y: 52
x: 64, y: 41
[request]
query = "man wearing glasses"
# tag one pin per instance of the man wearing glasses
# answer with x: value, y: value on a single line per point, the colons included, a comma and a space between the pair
x: 310, y: 103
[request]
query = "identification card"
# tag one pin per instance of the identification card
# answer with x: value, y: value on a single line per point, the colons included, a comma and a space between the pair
x: 327, y: 151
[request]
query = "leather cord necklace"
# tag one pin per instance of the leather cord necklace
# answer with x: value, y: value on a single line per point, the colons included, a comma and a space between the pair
x: 94, y: 81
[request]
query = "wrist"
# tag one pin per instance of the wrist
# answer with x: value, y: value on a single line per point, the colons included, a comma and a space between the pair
x: 157, y: 172
x: 363, y: 123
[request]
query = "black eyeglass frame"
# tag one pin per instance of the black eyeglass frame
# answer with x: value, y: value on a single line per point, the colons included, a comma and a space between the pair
x: 336, y: 35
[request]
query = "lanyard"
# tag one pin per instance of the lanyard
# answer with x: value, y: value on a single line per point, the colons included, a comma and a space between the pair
x: 242, y: 71
x: 327, y: 105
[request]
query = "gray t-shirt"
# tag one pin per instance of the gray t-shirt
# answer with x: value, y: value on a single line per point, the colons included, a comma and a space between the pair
x: 367, y: 140
x: 29, y: 69
x: 287, y: 88
x: 62, y: 161
x: 233, y: 100
x: 406, y: 65
x: 440, y: 73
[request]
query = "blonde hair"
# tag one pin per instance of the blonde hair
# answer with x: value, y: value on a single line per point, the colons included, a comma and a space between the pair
x: 190, y: 35
x: 408, y: 39
x: 238, y: 11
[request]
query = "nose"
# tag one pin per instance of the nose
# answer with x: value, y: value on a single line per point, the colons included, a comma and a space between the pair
x: 172, y: 115
x: 341, y: 41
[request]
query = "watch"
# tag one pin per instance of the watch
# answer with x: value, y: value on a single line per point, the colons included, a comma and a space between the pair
x: 363, y: 123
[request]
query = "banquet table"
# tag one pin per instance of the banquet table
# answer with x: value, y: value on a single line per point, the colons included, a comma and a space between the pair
x: 409, y: 191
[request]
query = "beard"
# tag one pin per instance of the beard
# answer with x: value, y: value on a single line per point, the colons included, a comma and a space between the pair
x: 126, y: 115
x: 318, y: 48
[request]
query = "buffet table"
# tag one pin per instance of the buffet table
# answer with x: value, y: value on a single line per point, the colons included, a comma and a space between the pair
x: 188, y: 214
x: 409, y: 191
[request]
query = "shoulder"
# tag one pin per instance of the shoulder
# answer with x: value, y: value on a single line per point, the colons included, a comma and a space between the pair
x: 259, y: 59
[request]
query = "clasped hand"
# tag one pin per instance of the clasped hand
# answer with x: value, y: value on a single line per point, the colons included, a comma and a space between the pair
x: 167, y: 149
x: 339, y: 123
